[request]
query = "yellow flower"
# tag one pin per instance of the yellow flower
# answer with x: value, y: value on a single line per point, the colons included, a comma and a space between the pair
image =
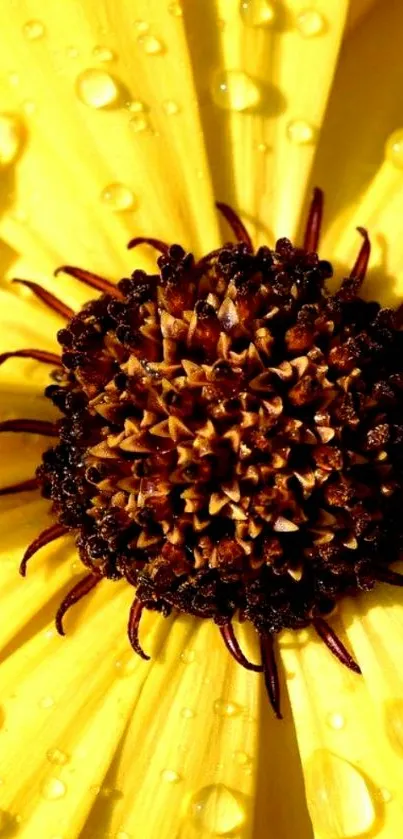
x: 130, y: 118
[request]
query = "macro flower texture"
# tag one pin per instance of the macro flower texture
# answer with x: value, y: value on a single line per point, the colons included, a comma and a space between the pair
x: 201, y: 419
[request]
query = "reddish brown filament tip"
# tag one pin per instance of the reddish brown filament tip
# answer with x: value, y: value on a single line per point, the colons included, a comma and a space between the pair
x: 90, y: 279
x: 48, y: 298
x: 313, y: 225
x: 37, y: 355
x: 79, y: 591
x: 147, y: 240
x: 384, y: 575
x: 361, y: 264
x: 30, y: 426
x: 23, y: 486
x: 55, y: 531
x: 334, y: 644
x: 271, y: 673
x: 240, y: 232
x: 231, y: 643
x: 133, y: 628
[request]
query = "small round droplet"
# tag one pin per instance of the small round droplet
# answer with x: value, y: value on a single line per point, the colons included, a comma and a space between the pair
x: 136, y: 106
x: 242, y: 758
x: 394, y: 148
x: 142, y: 26
x: 262, y: 148
x: 57, y: 757
x: 187, y: 713
x: 72, y: 52
x: 310, y: 23
x: 96, y: 88
x: 33, y: 30
x: 76, y: 566
x: 121, y: 834
x: 234, y: 90
x: 171, y: 107
x: 46, y: 702
x: 300, y: 132
x: 139, y: 123
x: 257, y: 13
x: 101, y: 53
x: 175, y: 9
x: 339, y: 798
x: 150, y: 44
x: 223, y: 708
x: 10, y: 138
x: 169, y: 776
x: 53, y: 788
x: 336, y: 720
x: 217, y: 809
x: 118, y: 197
x: 385, y: 795
x: 188, y: 656
x: 29, y: 107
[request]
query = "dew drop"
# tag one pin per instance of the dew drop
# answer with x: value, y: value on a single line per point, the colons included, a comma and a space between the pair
x: 171, y: 107
x: 175, y: 9
x: 338, y: 796
x: 57, y: 757
x: 118, y: 197
x: 169, y: 776
x: 394, y: 723
x: 139, y: 123
x: 142, y: 26
x: 187, y: 713
x: 136, y: 106
x: 76, y: 566
x: 234, y: 90
x: 223, y: 708
x: 216, y: 809
x: 394, y: 148
x: 150, y: 44
x: 188, y: 656
x: 257, y: 12
x: 385, y: 795
x: 300, y: 132
x: 10, y: 138
x: 242, y: 758
x: 262, y: 148
x: 310, y: 23
x: 33, y: 30
x: 96, y: 88
x: 103, y: 53
x: 336, y: 720
x: 53, y: 788
x: 46, y: 702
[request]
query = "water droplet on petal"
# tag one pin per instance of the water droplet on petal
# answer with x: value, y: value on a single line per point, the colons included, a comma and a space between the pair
x: 310, y: 23
x: 142, y: 26
x: 10, y: 138
x: 136, y: 106
x: 57, y: 757
x: 217, y: 809
x: 242, y: 758
x: 336, y: 720
x: 46, y: 702
x: 339, y: 798
x: 188, y: 656
x: 33, y: 30
x: 223, y: 708
x: 175, y: 9
x: 394, y: 723
x: 262, y: 147
x: 171, y: 107
x: 96, y: 88
x: 257, y: 12
x: 234, y: 90
x: 150, y: 44
x: 72, y: 52
x: 103, y: 53
x: 121, y: 834
x: 53, y: 788
x: 385, y: 795
x: 169, y: 776
x: 187, y: 713
x: 394, y: 148
x: 118, y: 197
x: 300, y: 132
x: 139, y: 123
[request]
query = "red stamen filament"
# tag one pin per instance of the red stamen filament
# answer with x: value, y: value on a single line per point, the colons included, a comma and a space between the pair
x: 89, y: 279
x: 334, y: 644
x: 55, y: 531
x: 37, y: 355
x: 240, y: 232
x: 231, y: 643
x: 30, y: 426
x: 79, y: 591
x: 133, y: 628
x: 384, y: 575
x: 361, y: 264
x: 23, y: 486
x: 147, y: 240
x: 312, y: 230
x: 48, y: 298
x: 271, y: 673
